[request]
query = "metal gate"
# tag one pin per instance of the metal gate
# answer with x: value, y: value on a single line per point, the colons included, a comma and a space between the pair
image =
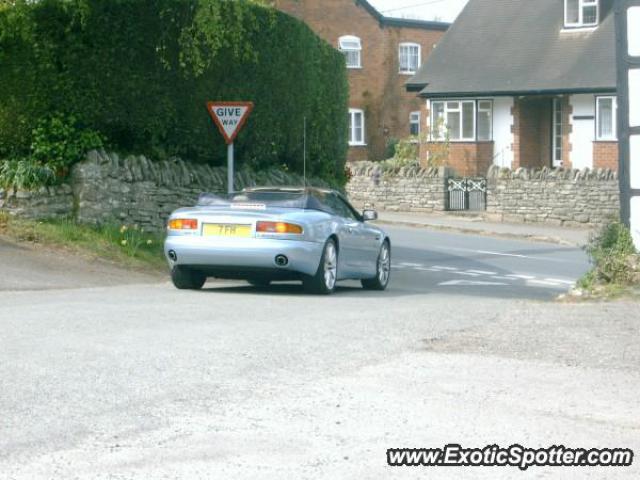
x: 467, y: 194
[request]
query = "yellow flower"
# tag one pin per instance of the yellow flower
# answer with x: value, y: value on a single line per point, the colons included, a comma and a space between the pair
x: 123, y: 243
x: 123, y: 229
x: 149, y: 242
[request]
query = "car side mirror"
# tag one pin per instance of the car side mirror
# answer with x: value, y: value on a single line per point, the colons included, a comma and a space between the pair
x: 369, y: 215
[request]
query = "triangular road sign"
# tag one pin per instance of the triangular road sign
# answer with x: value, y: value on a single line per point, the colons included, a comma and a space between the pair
x: 230, y: 117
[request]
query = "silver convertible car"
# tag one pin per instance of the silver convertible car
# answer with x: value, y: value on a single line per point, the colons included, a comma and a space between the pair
x: 271, y: 234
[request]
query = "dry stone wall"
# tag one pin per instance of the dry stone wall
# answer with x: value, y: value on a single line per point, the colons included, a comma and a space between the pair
x: 108, y: 188
x: 553, y: 196
x: 410, y: 189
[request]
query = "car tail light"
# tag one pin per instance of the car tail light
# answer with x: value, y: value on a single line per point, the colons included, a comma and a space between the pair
x: 183, y: 224
x: 278, y: 227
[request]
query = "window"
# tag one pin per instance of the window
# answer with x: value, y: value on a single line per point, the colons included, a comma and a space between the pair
x: 462, y: 120
x: 340, y: 207
x: 352, y: 49
x: 356, y: 127
x: 409, y: 55
x: 414, y: 124
x: 606, y: 111
x: 558, y: 130
x: 485, y: 120
x: 581, y: 13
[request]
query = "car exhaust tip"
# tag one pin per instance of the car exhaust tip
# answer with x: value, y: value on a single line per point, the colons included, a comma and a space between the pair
x: 282, y: 260
x: 173, y: 256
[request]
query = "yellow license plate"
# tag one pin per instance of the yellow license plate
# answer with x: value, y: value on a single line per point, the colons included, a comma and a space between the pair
x: 226, y: 230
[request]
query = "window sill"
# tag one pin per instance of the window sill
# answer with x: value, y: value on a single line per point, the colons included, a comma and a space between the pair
x: 605, y: 140
x: 355, y: 68
x: 578, y: 29
x: 461, y: 141
x: 357, y: 144
x: 407, y: 73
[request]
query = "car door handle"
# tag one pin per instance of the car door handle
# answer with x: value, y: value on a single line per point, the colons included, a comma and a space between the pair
x: 350, y: 229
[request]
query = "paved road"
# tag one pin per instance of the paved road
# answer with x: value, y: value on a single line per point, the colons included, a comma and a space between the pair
x: 427, y: 261
x: 142, y: 381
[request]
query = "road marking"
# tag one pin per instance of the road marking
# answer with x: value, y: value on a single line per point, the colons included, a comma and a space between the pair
x: 543, y: 283
x: 563, y: 282
x: 522, y: 277
x: 482, y: 272
x: 530, y: 280
x: 471, y: 283
x: 468, y: 274
x: 499, y: 254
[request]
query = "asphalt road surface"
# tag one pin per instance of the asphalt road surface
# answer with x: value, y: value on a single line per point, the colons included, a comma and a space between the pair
x: 140, y: 381
x: 425, y: 261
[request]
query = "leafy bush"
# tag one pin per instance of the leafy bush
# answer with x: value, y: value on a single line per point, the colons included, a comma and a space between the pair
x: 140, y: 72
x: 57, y: 143
x: 614, y: 257
x: 390, y: 150
x: 25, y: 174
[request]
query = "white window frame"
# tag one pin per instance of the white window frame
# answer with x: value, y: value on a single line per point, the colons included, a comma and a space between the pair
x: 415, y: 118
x: 354, y: 142
x: 582, y: 4
x: 409, y: 46
x: 490, y: 110
x: 345, y: 39
x: 440, y: 135
x: 614, y: 120
x: 557, y: 133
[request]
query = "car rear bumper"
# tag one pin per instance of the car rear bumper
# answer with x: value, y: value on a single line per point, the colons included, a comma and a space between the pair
x: 232, y: 257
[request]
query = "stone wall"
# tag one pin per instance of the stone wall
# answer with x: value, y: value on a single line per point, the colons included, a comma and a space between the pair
x: 106, y: 188
x: 133, y: 190
x: 553, y: 196
x: 410, y: 189
x: 46, y: 202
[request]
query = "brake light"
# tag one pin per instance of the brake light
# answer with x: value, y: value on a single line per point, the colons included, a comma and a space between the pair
x: 278, y: 227
x: 183, y: 224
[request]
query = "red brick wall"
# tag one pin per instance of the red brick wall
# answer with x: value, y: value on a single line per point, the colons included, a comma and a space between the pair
x: 605, y: 155
x: 466, y: 159
x: 377, y: 88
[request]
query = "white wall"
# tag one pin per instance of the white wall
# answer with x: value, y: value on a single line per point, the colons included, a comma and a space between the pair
x: 583, y: 132
x: 502, y: 135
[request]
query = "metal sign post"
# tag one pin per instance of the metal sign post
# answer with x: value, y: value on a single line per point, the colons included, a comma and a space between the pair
x: 230, y: 117
x: 628, y: 61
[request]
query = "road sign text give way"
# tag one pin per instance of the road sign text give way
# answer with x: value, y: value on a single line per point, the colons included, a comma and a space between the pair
x: 230, y: 117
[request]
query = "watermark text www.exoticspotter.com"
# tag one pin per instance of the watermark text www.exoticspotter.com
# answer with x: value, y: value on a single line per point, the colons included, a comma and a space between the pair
x: 454, y: 455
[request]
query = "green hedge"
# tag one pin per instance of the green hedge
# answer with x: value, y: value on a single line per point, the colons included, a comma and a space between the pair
x: 139, y: 72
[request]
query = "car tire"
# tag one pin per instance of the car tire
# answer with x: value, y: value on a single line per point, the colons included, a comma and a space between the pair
x: 187, y: 279
x: 383, y: 270
x: 325, y: 279
x: 259, y: 282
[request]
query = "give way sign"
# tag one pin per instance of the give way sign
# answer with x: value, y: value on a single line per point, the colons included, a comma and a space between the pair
x: 230, y: 117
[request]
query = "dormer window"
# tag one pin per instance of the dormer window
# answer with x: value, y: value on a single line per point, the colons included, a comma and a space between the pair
x: 581, y: 13
x: 352, y: 48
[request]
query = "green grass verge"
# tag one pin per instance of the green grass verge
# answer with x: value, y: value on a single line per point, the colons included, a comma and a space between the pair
x: 127, y: 245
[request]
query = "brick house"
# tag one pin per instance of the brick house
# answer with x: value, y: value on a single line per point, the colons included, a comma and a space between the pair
x: 382, y: 53
x: 522, y: 83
